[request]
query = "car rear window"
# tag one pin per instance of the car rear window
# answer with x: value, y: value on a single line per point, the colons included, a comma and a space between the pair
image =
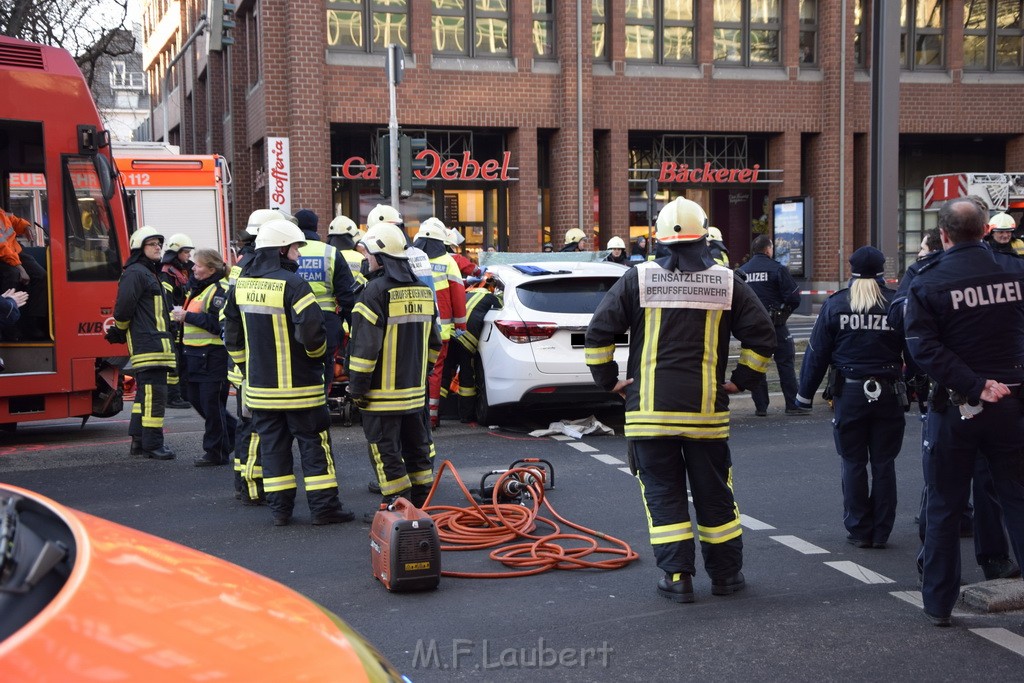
x: 565, y: 295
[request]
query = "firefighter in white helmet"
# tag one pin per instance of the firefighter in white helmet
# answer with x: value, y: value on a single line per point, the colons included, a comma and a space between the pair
x: 274, y: 330
x: 617, y: 248
x: 343, y: 234
x: 175, y: 269
x: 383, y: 213
x: 680, y: 311
x: 451, y: 301
x: 1000, y: 236
x: 716, y: 244
x: 395, y: 341
x: 142, y: 319
x: 574, y: 240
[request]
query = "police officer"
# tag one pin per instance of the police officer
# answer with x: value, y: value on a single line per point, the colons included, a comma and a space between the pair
x: 716, y: 243
x: 206, y: 359
x: 965, y: 328
x: 342, y: 234
x: 1001, y: 236
x: 575, y: 240
x: 280, y: 348
x: 395, y: 341
x: 141, y: 319
x: 677, y: 405
x: 175, y: 269
x: 853, y: 335
x: 774, y: 286
x: 328, y: 274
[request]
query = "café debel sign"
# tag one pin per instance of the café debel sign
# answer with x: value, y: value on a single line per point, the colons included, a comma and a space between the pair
x: 464, y: 168
x: 671, y: 172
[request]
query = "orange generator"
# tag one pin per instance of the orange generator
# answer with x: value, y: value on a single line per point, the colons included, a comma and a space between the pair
x: 405, y: 551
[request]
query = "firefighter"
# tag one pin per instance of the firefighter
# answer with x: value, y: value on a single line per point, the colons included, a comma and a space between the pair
x: 1001, y: 238
x: 964, y: 325
x: 206, y: 359
x: 175, y: 269
x: 19, y: 270
x: 343, y: 234
x: 853, y: 335
x: 574, y: 240
x: 453, y: 242
x: 478, y: 302
x: 677, y: 404
x: 141, y: 319
x: 328, y: 274
x: 618, y: 251
x: 716, y: 243
x: 274, y: 329
x: 395, y: 342
x: 382, y: 213
x: 451, y: 300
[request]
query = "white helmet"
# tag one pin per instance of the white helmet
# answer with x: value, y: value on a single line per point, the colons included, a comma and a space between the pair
x: 261, y: 216
x: 616, y: 243
x: 385, y: 238
x: 142, y: 234
x: 681, y: 220
x: 1002, y: 221
x: 455, y: 238
x: 279, y: 233
x: 343, y: 225
x: 574, y: 235
x: 432, y: 229
x: 179, y: 241
x: 383, y: 213
x: 714, y: 234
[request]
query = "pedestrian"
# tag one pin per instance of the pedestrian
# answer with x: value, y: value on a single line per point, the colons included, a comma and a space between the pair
x: 1000, y: 236
x: 965, y: 327
x: 617, y: 251
x: 853, y: 336
x: 638, y: 251
x: 175, y: 270
x: 141, y: 318
x: 575, y: 240
x: 395, y: 342
x: 677, y: 398
x: 18, y: 270
x: 206, y: 359
x: 274, y: 328
x: 342, y: 234
x: 778, y: 292
x: 450, y: 294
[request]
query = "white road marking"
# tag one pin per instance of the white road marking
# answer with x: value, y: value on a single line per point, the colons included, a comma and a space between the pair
x: 607, y: 459
x: 800, y: 545
x: 754, y: 524
x: 626, y: 470
x: 582, y: 447
x: 561, y: 437
x: 858, y: 572
x: 914, y: 598
x: 1000, y: 636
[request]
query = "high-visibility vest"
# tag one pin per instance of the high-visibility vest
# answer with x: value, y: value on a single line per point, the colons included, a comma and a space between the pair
x: 316, y: 266
x: 193, y: 335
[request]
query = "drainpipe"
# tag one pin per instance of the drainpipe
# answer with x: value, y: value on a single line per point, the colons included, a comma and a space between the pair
x: 196, y: 32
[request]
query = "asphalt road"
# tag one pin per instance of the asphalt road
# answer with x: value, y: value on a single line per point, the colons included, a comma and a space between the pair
x: 814, y: 608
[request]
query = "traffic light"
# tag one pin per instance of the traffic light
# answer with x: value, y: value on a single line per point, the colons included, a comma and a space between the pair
x: 408, y: 149
x: 384, y: 164
x: 220, y: 18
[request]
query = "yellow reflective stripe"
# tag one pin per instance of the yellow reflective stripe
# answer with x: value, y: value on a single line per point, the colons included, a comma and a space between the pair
x: 271, y: 484
x: 152, y: 358
x: 421, y: 478
x: 391, y: 487
x: 304, y: 303
x: 168, y: 286
x: 467, y: 391
x: 389, y: 357
x: 284, y: 368
x: 237, y: 356
x: 649, y: 357
x: 320, y: 482
x: 599, y: 355
x: 433, y: 452
x: 318, y: 352
x: 357, y: 364
x: 710, y: 388
x: 676, y: 417
x: 284, y: 392
x: 432, y: 355
x: 253, y: 472
x: 754, y: 360
x: 411, y: 392
x: 640, y: 431
x: 720, y: 534
x: 364, y: 310
x: 672, y: 533
x: 385, y: 406
x: 284, y: 403
x: 469, y: 341
x: 122, y: 324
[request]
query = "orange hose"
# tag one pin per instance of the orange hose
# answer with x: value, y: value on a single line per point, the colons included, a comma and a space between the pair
x: 485, y: 526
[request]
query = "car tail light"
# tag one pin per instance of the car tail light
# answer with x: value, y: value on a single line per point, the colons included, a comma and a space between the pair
x: 520, y: 332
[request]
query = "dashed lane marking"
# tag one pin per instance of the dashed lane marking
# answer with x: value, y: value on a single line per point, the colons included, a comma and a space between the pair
x: 914, y: 598
x: 1000, y: 636
x: 607, y: 459
x: 626, y: 470
x: 582, y: 447
x: 860, y: 573
x: 561, y: 437
x: 754, y: 524
x: 800, y: 545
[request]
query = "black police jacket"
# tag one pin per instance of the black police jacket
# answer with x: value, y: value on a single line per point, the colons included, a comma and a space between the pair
x: 771, y: 281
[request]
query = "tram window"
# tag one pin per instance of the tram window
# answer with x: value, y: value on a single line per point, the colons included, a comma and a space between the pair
x: 91, y: 239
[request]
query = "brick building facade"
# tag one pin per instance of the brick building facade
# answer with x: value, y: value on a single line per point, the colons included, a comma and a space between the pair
x: 643, y: 83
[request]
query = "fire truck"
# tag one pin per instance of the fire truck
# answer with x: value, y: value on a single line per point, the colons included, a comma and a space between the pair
x: 1000, y: 191
x: 51, y: 136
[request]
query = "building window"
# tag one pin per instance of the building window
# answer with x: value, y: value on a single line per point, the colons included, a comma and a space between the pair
x: 809, y: 32
x: 252, y: 46
x: 922, y: 23
x: 475, y: 28
x: 860, y: 18
x: 993, y: 35
x: 599, y: 27
x: 367, y: 25
x: 659, y: 31
x: 746, y: 32
x: 544, y: 29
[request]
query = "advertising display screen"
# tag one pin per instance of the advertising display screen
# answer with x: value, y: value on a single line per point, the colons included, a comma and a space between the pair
x: 792, y: 220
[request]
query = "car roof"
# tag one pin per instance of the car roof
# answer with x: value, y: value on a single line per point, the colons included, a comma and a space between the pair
x: 557, y: 269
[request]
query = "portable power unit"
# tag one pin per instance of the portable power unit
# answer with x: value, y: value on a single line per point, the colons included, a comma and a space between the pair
x: 405, y: 551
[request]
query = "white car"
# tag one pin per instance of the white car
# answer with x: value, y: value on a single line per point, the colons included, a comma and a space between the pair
x: 531, y: 349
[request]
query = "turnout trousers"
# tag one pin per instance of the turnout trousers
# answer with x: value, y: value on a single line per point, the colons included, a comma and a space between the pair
x: 310, y: 427
x: 868, y: 434
x: 949, y: 461
x: 663, y: 466
x: 434, y: 384
x: 248, y: 466
x: 400, y: 451
x: 147, y: 421
x: 785, y: 353
x: 210, y: 400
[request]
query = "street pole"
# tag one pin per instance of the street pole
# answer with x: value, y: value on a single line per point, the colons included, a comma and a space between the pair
x: 842, y: 148
x: 885, y: 134
x: 393, y: 78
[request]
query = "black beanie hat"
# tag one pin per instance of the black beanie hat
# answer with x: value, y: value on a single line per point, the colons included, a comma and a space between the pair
x: 307, y: 220
x: 867, y: 262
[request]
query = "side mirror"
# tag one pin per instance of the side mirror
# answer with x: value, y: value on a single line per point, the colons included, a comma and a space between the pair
x: 105, y: 172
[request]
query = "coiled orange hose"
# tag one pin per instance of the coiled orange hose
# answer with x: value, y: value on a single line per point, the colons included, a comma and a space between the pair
x: 485, y: 526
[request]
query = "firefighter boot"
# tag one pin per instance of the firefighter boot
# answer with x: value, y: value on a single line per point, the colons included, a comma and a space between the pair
x: 676, y: 587
x: 728, y: 585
